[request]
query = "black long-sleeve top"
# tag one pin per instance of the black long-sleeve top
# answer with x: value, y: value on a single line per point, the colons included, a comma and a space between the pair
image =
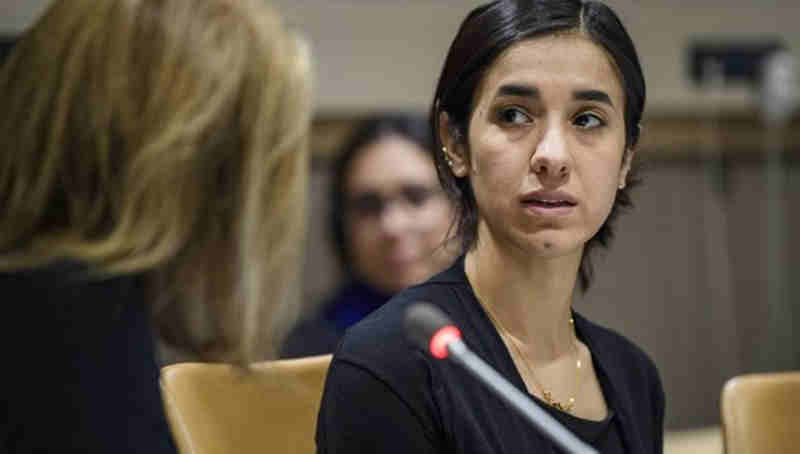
x: 384, y: 395
x: 80, y: 373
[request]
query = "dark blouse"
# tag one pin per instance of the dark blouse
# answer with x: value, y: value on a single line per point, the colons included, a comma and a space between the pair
x: 384, y: 395
x: 603, y: 435
x: 80, y: 373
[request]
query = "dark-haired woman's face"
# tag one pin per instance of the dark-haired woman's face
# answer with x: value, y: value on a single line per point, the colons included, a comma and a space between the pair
x: 397, y: 216
x: 546, y: 145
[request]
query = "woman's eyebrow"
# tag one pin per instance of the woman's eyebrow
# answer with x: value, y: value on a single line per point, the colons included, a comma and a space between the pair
x: 529, y: 91
x: 592, y: 95
x: 522, y: 90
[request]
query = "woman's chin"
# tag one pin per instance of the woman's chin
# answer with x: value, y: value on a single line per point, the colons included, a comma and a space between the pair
x: 397, y: 279
x: 554, y: 243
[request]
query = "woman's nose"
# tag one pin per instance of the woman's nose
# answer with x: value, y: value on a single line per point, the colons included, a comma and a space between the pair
x: 551, y: 160
x: 394, y: 218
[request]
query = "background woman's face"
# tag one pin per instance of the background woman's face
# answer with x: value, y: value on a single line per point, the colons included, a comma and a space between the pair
x: 396, y: 215
x: 546, y: 145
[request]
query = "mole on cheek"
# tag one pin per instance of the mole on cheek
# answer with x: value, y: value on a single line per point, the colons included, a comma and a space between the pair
x: 547, y: 245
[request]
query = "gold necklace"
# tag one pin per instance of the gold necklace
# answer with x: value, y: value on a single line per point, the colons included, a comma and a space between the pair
x: 513, y: 342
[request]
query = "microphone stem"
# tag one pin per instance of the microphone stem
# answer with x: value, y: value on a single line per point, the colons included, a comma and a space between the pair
x: 519, y: 401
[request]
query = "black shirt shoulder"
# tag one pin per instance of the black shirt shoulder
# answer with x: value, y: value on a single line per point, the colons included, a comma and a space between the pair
x: 378, y: 343
x: 86, y: 376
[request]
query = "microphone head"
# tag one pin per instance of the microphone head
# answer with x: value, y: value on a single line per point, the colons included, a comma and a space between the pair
x: 429, y: 328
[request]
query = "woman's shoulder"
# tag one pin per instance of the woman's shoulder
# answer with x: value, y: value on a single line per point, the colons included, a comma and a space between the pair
x: 384, y: 326
x: 379, y: 343
x: 68, y: 295
x: 56, y: 272
x: 61, y: 275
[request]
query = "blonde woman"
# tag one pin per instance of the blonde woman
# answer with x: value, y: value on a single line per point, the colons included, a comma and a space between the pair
x: 152, y: 161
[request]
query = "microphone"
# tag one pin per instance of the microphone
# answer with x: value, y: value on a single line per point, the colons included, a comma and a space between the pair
x: 430, y: 329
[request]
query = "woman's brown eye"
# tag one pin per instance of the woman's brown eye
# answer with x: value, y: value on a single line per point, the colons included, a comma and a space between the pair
x: 417, y: 195
x: 513, y: 115
x: 588, y: 121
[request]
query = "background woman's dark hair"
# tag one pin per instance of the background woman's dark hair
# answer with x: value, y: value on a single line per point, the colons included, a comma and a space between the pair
x: 412, y: 127
x: 488, y: 31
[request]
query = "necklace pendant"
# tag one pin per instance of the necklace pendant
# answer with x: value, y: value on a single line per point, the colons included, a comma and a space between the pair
x: 548, y: 398
x: 565, y: 408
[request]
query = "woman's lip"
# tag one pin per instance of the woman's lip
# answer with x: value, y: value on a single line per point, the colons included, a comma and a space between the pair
x: 557, y: 197
x: 544, y: 209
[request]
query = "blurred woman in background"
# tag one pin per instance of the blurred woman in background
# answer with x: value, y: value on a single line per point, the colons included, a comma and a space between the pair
x: 152, y: 160
x: 389, y: 222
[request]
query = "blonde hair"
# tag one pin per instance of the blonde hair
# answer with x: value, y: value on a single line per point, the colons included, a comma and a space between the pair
x: 166, y: 138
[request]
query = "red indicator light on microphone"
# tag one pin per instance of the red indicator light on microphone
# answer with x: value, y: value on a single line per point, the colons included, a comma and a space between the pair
x: 441, y: 339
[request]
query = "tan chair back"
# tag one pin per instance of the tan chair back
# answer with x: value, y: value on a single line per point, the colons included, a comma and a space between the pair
x: 761, y: 413
x: 220, y: 408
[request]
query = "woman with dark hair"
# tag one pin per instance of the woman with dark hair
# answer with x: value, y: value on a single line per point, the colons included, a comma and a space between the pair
x: 389, y: 221
x: 537, y: 116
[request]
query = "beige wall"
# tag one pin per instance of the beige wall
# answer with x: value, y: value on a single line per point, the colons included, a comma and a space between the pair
x: 377, y: 53
x: 15, y: 15
x: 387, y: 53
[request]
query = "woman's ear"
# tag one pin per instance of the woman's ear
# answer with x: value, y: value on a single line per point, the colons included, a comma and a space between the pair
x: 626, y: 167
x: 454, y: 149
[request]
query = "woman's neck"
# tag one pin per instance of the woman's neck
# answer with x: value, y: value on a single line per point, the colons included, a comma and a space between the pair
x: 530, y: 296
